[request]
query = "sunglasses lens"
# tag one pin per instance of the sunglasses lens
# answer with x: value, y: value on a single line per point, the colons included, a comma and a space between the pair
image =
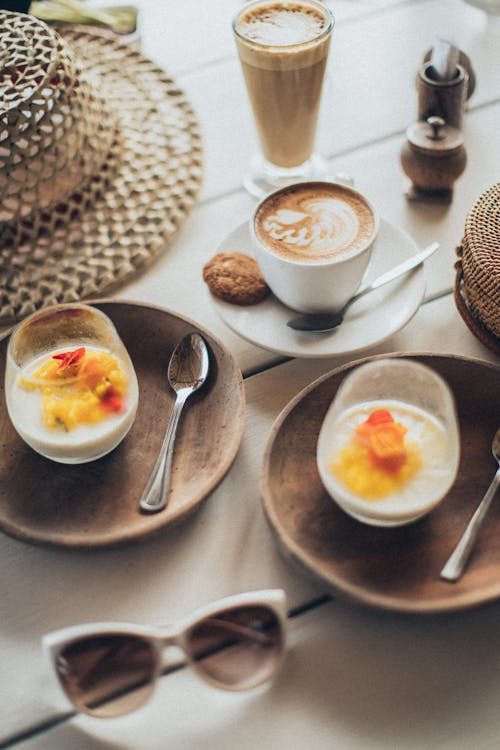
x: 237, y: 648
x: 107, y: 675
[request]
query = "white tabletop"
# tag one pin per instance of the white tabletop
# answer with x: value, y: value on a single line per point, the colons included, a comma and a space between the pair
x: 353, y: 678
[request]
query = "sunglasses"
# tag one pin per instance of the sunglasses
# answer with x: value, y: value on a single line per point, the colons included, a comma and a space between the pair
x: 110, y: 669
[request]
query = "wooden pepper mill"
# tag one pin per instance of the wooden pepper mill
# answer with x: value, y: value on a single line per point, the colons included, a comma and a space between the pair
x: 433, y: 157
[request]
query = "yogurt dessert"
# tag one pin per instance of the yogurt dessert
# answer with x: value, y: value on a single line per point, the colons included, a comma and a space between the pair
x: 75, y: 402
x: 387, y: 461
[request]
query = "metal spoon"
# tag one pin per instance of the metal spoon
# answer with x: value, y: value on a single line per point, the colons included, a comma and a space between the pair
x: 187, y: 371
x: 324, y: 322
x: 458, y: 558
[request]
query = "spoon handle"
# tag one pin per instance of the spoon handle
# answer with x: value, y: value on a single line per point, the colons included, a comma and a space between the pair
x: 155, y: 495
x: 399, y: 270
x: 458, y: 558
x: 325, y: 322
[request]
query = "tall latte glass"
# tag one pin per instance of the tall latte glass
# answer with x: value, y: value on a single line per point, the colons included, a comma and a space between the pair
x: 283, y: 49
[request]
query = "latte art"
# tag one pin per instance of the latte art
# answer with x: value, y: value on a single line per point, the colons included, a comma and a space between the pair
x: 323, y: 226
x: 314, y: 223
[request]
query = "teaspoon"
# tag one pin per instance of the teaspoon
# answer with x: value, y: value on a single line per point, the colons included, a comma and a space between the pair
x: 458, y: 558
x: 325, y: 322
x: 187, y: 371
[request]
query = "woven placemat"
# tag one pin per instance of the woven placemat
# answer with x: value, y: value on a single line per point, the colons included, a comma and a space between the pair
x: 122, y: 214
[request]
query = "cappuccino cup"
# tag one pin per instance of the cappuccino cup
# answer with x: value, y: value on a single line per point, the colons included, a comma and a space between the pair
x: 313, y: 242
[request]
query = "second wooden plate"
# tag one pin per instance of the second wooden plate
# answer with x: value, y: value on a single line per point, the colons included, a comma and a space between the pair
x: 395, y: 569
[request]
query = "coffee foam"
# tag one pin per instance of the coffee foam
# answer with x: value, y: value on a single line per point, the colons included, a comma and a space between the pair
x: 314, y: 223
x: 279, y: 25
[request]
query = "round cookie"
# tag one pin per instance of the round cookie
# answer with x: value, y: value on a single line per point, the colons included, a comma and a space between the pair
x: 236, y: 278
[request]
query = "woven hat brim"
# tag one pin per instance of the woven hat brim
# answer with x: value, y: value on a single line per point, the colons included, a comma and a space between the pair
x: 72, y: 255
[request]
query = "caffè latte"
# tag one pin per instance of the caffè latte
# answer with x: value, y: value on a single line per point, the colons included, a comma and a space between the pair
x: 283, y: 48
x: 315, y: 222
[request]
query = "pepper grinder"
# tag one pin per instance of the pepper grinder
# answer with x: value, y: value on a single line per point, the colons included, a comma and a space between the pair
x: 433, y: 157
x: 444, y: 98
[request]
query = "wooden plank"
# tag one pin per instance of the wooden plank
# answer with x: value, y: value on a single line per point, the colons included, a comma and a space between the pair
x: 377, y: 172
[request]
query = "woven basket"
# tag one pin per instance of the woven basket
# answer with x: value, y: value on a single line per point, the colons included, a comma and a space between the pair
x: 477, y: 283
x: 100, y: 163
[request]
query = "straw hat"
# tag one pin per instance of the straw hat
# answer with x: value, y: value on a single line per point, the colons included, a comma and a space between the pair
x: 100, y: 162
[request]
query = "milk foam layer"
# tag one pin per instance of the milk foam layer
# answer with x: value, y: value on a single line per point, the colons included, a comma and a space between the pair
x: 279, y: 25
x: 315, y: 223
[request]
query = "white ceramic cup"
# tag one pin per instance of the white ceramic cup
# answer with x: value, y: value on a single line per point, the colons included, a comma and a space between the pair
x: 313, y: 242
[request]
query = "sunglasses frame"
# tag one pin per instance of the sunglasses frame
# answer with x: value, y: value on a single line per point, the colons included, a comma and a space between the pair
x: 177, y: 635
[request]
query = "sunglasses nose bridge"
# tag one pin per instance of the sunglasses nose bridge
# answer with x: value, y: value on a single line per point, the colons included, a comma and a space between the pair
x: 171, y: 650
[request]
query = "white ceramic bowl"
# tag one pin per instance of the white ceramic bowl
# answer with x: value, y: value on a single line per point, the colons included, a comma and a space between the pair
x: 420, y: 399
x: 38, y: 337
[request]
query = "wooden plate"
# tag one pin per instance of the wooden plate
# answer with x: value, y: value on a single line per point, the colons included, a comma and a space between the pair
x: 396, y: 569
x: 96, y: 504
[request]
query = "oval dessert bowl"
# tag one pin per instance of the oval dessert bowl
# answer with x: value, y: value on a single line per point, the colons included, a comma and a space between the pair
x: 70, y: 386
x: 388, y: 449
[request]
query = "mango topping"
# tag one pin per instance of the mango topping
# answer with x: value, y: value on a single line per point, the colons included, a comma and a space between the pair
x: 78, y: 387
x: 384, y: 439
x: 378, y: 459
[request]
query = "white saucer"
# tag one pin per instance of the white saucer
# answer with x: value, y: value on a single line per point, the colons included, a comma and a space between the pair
x: 369, y: 321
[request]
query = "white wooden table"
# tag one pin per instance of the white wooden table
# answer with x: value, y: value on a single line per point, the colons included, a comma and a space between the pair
x: 353, y: 678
